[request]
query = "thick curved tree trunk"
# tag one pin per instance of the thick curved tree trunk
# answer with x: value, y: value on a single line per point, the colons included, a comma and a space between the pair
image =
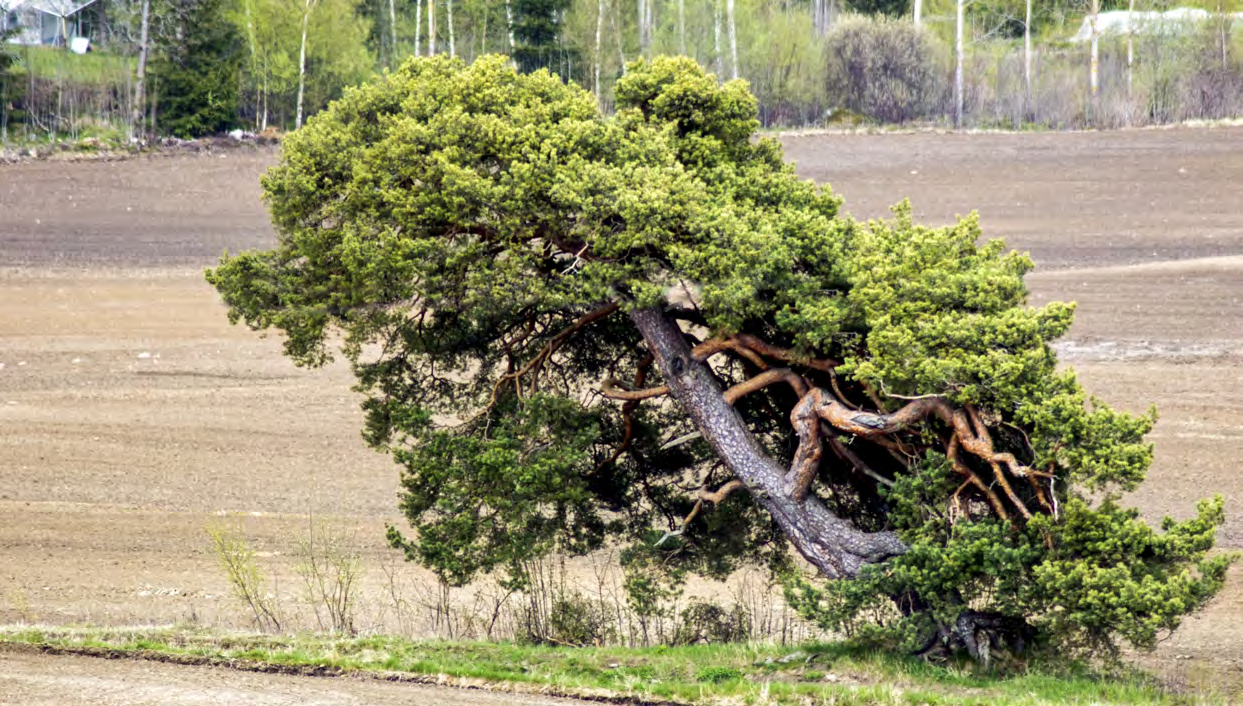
x: 832, y: 544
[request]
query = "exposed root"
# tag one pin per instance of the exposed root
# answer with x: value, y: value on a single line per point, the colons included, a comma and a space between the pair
x: 979, y: 634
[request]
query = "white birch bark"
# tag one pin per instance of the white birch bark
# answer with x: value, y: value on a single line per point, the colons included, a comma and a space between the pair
x: 733, y: 38
x: 643, y: 45
x: 141, y: 73
x: 958, y: 62
x: 392, y: 28
x: 919, y: 11
x: 1094, y: 67
x: 431, y: 27
x: 600, y: 9
x: 509, y: 20
x: 1130, y: 50
x: 263, y: 125
x: 306, y: 20
x: 621, y: 53
x: 418, y: 28
x: 717, y: 59
x: 449, y: 19
x: 254, y: 62
x: 1027, y: 57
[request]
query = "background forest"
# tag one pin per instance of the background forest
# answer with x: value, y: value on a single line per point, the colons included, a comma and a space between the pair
x: 195, y: 67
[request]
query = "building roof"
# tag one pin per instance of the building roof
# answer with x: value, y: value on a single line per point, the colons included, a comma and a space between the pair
x: 59, y: 8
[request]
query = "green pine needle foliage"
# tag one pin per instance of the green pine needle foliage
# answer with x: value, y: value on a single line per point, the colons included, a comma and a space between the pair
x: 449, y: 228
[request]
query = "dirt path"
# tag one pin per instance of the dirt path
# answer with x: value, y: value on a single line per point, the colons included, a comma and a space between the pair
x: 34, y: 679
x: 132, y: 416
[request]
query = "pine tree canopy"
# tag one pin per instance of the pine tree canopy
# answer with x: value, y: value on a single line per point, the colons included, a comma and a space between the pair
x: 574, y: 330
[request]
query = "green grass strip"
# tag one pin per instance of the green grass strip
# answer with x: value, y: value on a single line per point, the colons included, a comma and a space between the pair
x: 832, y: 673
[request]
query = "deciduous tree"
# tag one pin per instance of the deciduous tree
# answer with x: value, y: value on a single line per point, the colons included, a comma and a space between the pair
x: 646, y: 328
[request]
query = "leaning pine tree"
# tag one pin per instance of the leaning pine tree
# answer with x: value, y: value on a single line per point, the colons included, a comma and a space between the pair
x: 573, y: 330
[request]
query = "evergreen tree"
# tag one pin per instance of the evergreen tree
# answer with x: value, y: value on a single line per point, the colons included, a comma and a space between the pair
x: 574, y: 330
x: 198, y: 73
x: 891, y: 8
x: 537, y: 36
x: 10, y: 85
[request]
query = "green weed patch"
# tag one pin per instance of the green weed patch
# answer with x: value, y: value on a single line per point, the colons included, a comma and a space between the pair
x: 830, y: 673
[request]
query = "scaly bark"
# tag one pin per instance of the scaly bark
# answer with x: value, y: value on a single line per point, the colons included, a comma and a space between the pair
x: 831, y: 543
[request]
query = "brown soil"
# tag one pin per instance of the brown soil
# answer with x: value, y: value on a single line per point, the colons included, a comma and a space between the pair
x: 132, y: 415
x: 34, y: 678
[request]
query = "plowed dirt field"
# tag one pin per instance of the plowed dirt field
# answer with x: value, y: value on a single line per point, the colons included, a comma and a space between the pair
x: 132, y: 415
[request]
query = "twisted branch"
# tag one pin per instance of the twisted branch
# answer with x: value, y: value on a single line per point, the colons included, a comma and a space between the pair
x: 705, y: 495
x: 609, y: 387
x: 536, y: 363
x: 764, y: 379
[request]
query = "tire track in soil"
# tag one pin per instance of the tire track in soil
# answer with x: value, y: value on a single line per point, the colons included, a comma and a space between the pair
x: 102, y: 677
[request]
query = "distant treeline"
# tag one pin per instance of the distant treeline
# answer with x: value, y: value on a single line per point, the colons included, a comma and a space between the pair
x: 194, y: 67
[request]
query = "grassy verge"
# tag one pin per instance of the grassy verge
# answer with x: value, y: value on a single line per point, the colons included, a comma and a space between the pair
x: 93, y: 69
x: 716, y: 674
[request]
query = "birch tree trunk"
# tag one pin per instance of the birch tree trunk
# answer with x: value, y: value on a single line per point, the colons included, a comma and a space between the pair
x: 617, y: 35
x: 1094, y: 65
x: 1130, y: 50
x: 431, y: 27
x: 645, y: 38
x: 733, y: 38
x: 141, y: 74
x: 418, y: 27
x: 254, y: 63
x: 263, y: 125
x: 958, y: 62
x: 1027, y: 59
x: 509, y: 21
x: 392, y: 28
x: 449, y: 19
x: 919, y: 11
x: 306, y: 20
x: 717, y: 59
x: 595, y: 82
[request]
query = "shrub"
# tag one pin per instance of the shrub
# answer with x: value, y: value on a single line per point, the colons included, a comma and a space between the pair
x: 576, y: 620
x: 238, y: 560
x: 885, y: 68
x: 708, y: 622
x: 717, y: 675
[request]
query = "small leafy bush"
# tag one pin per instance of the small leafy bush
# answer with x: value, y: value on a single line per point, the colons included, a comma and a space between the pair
x: 717, y: 675
x: 704, y: 622
x: 884, y: 68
